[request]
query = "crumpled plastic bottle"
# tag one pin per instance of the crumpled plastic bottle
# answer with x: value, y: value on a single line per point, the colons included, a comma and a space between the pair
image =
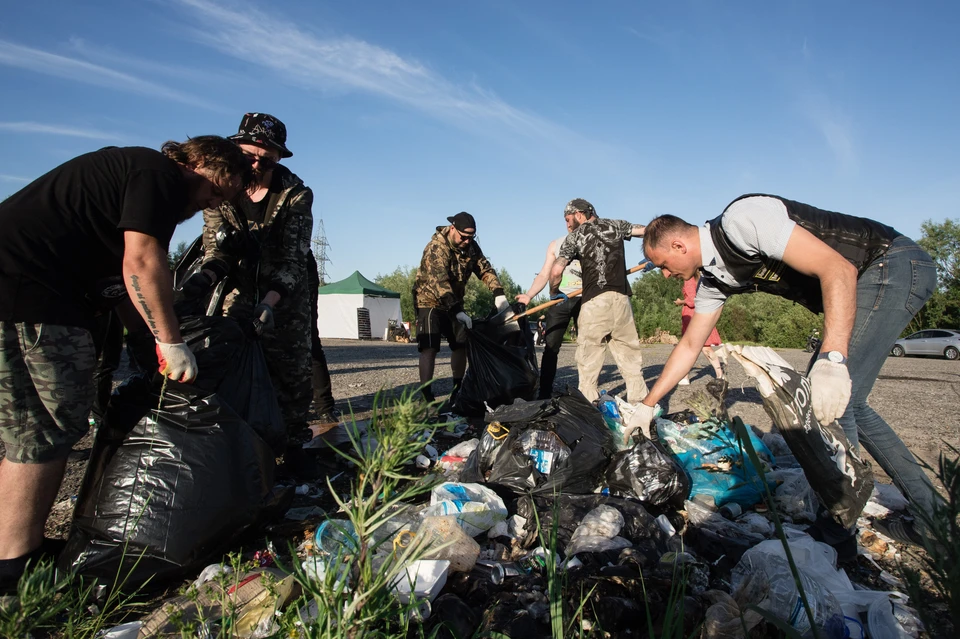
x: 767, y: 580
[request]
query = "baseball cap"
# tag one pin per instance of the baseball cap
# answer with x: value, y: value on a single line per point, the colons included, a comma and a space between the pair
x: 463, y: 221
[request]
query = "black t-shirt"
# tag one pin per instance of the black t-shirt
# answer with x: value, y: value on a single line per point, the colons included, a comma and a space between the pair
x: 255, y: 212
x: 599, y: 247
x: 61, y: 244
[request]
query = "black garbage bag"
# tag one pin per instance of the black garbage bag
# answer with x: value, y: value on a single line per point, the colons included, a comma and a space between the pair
x: 567, y: 511
x: 501, y: 365
x: 649, y: 474
x: 232, y: 365
x: 551, y: 446
x: 838, y: 475
x: 166, y: 487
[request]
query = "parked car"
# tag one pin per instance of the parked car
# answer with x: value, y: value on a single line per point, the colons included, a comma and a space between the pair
x: 939, y: 342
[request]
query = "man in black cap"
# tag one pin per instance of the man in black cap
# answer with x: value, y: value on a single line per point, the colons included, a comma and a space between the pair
x: 448, y: 260
x: 261, y: 240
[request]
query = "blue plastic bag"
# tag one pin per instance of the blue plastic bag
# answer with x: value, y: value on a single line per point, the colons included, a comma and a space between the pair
x: 716, y: 463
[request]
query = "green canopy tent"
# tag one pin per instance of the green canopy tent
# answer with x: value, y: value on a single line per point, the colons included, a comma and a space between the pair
x: 356, y: 308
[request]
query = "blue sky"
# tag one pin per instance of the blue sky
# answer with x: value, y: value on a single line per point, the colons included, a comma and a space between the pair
x: 402, y: 113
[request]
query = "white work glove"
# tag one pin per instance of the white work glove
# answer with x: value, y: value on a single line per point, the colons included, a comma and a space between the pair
x: 641, y: 418
x: 500, y: 301
x: 830, y: 387
x: 177, y: 362
x: 464, y: 319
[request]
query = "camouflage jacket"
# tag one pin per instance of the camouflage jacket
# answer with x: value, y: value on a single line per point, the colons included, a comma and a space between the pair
x: 444, y: 270
x: 274, y: 253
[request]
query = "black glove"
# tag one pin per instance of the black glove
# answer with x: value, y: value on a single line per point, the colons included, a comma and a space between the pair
x: 263, y: 318
x: 196, y: 286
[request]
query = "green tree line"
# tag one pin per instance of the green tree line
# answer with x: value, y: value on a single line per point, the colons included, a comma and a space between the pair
x: 756, y: 318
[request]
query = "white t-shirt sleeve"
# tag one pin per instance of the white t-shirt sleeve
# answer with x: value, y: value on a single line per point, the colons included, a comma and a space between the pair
x: 708, y: 298
x: 758, y: 225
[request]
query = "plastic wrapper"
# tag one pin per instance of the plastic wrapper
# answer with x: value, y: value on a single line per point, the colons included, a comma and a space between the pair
x: 501, y: 365
x: 476, y: 508
x: 841, y: 479
x: 794, y: 497
x: 598, y: 532
x: 648, y: 473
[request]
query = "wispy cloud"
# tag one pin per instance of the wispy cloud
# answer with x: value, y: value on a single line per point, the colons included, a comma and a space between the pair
x: 343, y: 63
x: 38, y: 61
x: 55, y: 129
x: 13, y: 178
x: 835, y: 127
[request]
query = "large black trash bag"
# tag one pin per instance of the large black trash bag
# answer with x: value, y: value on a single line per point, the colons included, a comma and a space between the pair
x: 167, y: 487
x: 575, y: 442
x: 232, y: 365
x: 648, y: 473
x: 501, y: 365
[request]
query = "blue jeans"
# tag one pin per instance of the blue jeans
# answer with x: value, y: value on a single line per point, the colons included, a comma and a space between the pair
x: 889, y: 293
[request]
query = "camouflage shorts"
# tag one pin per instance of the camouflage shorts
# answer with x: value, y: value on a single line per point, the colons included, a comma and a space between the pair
x: 46, y: 389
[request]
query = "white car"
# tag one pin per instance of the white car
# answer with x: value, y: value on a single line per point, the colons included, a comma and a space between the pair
x: 939, y: 342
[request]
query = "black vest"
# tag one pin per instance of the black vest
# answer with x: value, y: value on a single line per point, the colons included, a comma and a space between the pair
x: 859, y: 240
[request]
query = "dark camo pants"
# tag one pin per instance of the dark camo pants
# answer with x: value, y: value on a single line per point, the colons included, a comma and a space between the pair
x: 46, y: 389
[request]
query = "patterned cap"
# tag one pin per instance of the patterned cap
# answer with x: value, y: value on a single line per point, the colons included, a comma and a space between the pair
x: 579, y: 204
x: 263, y: 130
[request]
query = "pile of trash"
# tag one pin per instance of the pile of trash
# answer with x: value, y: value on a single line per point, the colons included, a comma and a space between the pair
x: 550, y: 512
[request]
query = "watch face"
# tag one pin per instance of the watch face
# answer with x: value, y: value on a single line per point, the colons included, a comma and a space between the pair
x: 835, y: 356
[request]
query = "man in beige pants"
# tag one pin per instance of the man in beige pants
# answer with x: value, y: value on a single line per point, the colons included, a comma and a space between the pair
x: 606, y: 317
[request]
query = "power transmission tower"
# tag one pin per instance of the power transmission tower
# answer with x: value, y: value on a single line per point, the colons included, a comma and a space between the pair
x: 320, y: 246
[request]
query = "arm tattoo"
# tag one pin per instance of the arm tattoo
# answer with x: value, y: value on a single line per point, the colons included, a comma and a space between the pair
x: 142, y: 301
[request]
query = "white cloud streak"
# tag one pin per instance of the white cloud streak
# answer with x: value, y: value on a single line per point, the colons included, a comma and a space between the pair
x: 55, y: 129
x: 345, y: 63
x: 38, y: 61
x: 13, y: 178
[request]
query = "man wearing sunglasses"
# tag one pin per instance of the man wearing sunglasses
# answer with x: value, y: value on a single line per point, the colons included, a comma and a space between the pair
x: 449, y: 259
x: 268, y: 270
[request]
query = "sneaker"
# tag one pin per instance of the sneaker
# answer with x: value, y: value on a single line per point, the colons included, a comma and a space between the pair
x: 685, y: 381
x: 899, y: 530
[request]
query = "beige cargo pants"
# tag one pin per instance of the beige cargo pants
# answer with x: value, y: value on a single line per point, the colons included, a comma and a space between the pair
x: 607, y: 320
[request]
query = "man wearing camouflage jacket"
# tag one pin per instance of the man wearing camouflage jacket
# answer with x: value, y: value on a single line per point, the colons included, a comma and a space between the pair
x: 449, y: 259
x: 261, y: 240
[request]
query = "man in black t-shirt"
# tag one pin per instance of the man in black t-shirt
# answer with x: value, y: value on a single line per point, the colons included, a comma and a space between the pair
x: 606, y: 316
x: 75, y: 243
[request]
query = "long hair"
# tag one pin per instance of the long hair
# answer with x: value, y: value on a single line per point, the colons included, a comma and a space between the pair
x: 216, y: 154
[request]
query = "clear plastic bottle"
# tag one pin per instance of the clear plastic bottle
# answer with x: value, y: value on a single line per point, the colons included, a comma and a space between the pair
x: 767, y: 580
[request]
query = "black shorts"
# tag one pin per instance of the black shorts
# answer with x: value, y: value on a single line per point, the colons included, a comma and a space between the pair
x: 432, y: 324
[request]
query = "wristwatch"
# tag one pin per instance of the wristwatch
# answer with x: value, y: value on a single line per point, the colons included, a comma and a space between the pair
x: 834, y: 356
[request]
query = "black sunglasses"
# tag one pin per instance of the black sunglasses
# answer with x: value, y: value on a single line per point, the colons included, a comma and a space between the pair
x: 264, y: 161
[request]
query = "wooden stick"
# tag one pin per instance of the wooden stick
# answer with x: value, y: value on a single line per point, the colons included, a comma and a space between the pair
x: 576, y: 293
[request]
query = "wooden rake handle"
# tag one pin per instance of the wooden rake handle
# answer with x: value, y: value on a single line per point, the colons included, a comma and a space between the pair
x: 576, y: 293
